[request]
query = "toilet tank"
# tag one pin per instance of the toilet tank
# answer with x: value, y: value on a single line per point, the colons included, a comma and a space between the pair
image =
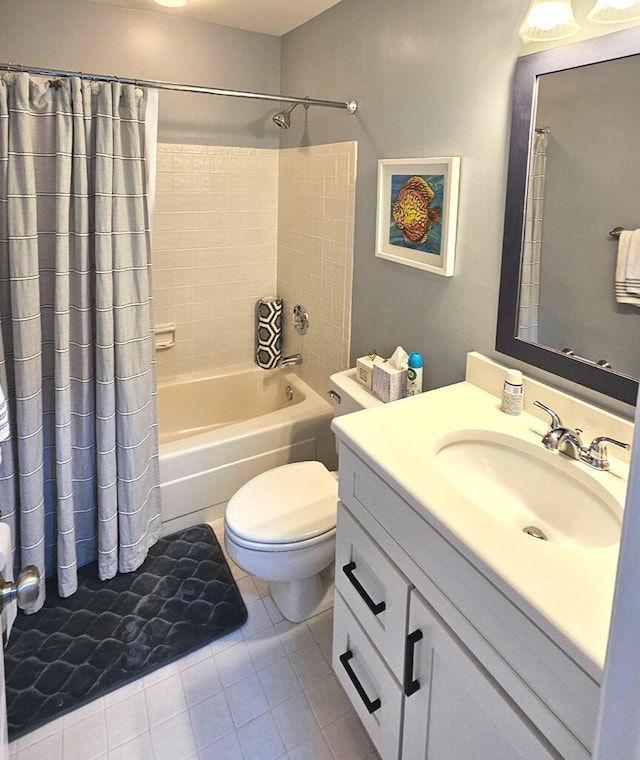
x: 348, y: 395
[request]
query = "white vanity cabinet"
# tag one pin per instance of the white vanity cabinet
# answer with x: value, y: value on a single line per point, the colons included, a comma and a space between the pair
x: 422, y: 667
x: 429, y: 699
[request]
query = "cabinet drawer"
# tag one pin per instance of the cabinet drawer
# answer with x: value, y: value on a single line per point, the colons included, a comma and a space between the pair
x: 374, y: 694
x: 374, y: 588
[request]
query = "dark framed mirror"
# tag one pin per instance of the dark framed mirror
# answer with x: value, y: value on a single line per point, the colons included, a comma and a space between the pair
x: 574, y: 169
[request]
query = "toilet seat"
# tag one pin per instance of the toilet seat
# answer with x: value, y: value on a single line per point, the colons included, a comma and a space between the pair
x: 261, y: 546
x: 284, y: 508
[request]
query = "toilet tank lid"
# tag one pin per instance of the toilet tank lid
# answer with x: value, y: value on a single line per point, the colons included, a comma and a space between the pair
x: 284, y: 505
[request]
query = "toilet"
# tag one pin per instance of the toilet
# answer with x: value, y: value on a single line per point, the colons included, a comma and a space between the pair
x: 281, y: 525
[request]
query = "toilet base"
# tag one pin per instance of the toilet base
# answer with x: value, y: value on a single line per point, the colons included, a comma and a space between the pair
x: 301, y: 599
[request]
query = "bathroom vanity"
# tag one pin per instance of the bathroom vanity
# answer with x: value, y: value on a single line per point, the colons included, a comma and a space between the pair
x: 456, y: 634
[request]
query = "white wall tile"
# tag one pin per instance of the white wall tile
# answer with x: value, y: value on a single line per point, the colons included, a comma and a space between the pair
x: 232, y: 225
x: 210, y: 214
x: 315, y: 254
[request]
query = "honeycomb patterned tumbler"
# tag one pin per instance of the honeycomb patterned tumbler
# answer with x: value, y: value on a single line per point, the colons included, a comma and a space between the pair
x: 268, y: 332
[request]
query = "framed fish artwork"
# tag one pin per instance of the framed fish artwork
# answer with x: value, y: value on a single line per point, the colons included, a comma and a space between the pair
x: 418, y: 211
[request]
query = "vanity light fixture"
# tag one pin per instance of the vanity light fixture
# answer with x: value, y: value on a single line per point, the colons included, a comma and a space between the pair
x: 172, y: 3
x: 549, y: 20
x: 614, y: 11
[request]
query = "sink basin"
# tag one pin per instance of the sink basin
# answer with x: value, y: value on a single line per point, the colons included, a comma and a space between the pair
x: 525, y: 486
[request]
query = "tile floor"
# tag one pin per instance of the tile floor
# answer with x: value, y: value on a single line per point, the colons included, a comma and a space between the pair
x: 264, y: 692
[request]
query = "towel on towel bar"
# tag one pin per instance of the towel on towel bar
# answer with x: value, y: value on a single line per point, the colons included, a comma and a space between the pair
x: 628, y: 268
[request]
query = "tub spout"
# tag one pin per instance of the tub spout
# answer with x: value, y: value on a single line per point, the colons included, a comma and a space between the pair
x: 285, y: 361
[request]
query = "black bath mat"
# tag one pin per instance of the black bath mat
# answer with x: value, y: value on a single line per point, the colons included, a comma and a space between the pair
x: 108, y: 633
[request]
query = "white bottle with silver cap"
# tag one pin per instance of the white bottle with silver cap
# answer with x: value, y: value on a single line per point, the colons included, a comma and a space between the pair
x: 512, y: 393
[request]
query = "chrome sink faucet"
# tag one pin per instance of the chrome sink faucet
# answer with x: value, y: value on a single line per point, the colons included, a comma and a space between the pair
x: 568, y: 442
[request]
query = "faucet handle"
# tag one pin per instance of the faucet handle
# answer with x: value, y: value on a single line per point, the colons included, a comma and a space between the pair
x: 555, y: 420
x: 597, y: 454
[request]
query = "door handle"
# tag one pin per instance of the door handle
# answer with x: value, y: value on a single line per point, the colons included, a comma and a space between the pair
x: 25, y: 590
x: 411, y: 684
x: 371, y: 704
x: 375, y: 607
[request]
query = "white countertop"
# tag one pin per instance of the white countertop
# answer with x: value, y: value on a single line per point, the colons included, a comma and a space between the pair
x: 566, y: 590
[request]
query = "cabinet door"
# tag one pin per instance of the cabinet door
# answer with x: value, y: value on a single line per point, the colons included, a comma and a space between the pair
x: 455, y: 709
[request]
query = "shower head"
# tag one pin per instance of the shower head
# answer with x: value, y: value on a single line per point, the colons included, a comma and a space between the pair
x: 283, y: 118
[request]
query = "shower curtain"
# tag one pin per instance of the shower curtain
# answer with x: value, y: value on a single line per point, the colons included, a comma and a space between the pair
x: 79, y: 476
x: 532, y: 243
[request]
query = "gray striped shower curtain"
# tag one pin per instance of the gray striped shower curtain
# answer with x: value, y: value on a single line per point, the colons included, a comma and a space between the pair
x: 79, y: 475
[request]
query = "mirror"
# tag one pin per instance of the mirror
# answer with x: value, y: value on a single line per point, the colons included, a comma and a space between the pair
x: 573, y: 167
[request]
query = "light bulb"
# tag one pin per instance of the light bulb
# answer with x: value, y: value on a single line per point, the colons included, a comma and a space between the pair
x: 171, y: 3
x: 614, y: 11
x: 549, y: 20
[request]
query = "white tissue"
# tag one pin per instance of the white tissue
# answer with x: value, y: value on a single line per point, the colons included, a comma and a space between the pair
x: 390, y: 377
x: 399, y: 359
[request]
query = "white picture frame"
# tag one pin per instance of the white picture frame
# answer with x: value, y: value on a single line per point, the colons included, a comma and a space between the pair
x: 417, y: 212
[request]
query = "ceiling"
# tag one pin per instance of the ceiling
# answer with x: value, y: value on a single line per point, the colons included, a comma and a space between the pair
x: 269, y: 16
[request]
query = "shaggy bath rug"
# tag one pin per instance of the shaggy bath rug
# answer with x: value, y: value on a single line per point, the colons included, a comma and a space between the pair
x: 108, y: 633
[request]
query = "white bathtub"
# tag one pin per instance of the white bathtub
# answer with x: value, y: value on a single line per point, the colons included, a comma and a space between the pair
x: 217, y: 432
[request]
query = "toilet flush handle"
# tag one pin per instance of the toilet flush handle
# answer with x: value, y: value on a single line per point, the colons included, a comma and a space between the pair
x: 335, y: 397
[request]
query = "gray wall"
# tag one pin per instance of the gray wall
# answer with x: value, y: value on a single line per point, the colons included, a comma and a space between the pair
x: 591, y: 186
x: 83, y: 36
x: 432, y: 79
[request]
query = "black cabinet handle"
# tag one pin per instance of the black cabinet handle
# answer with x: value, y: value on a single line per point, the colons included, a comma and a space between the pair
x: 371, y: 705
x: 375, y: 607
x: 411, y: 684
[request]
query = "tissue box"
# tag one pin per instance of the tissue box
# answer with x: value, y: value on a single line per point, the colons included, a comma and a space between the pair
x: 389, y: 384
x: 364, y: 370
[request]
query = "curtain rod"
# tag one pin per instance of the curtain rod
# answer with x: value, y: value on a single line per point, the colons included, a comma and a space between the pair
x: 351, y: 106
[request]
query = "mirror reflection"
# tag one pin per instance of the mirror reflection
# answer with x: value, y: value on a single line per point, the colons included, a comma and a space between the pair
x: 583, y: 184
x: 574, y: 153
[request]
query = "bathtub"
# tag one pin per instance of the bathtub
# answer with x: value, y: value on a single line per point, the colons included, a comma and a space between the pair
x: 219, y: 431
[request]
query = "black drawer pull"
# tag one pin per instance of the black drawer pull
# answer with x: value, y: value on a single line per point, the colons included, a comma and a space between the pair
x: 376, y: 608
x: 371, y: 706
x: 411, y: 684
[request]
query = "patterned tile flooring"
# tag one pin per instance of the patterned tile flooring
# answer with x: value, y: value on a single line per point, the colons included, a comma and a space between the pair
x: 264, y: 692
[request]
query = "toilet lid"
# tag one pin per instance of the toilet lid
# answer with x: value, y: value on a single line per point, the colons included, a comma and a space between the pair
x: 287, y: 504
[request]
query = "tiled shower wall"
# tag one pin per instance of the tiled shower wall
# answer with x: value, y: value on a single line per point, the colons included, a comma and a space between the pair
x: 315, y: 254
x: 213, y: 251
x: 234, y: 224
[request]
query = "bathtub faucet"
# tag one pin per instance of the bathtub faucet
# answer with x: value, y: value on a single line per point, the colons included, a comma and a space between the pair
x: 285, y: 361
